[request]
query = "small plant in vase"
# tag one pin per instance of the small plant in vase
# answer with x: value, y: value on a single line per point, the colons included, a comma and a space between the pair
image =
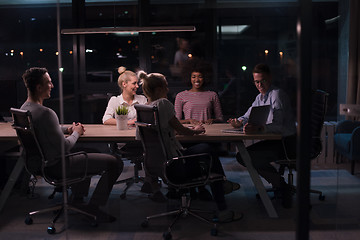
x: 121, y: 117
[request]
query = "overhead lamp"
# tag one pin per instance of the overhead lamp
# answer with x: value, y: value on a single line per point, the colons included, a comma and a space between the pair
x: 75, y: 31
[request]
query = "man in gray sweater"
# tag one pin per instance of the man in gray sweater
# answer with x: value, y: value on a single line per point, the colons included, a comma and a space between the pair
x: 50, y: 135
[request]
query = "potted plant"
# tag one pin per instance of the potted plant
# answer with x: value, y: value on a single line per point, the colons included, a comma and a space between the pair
x: 121, y: 117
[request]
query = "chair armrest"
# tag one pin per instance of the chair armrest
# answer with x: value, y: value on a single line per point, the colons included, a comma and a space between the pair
x: 190, y: 156
x: 355, y: 141
x: 81, y: 178
x: 205, y: 164
x: 142, y: 124
x: 70, y: 181
x: 346, y: 126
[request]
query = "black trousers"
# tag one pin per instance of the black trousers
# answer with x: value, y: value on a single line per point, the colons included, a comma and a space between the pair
x: 108, y: 166
x: 265, y: 152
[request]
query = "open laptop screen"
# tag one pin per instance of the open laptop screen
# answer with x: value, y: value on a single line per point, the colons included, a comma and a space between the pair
x: 258, y: 116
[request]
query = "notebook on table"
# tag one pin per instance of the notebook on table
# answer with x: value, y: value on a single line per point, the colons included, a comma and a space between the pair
x: 258, y: 116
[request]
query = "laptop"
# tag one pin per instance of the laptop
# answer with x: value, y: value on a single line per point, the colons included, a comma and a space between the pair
x: 258, y: 116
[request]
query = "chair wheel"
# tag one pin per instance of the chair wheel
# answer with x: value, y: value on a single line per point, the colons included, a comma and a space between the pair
x: 93, y: 224
x: 28, y: 220
x: 321, y: 197
x: 145, y: 224
x: 123, y: 196
x: 167, y: 235
x: 51, y: 230
x: 214, y: 232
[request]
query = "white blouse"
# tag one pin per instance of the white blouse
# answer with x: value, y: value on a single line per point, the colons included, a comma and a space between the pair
x: 115, y: 102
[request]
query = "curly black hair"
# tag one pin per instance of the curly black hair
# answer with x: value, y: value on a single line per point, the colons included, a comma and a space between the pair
x: 197, y: 65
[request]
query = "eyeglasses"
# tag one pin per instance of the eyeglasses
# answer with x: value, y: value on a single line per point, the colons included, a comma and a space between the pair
x: 260, y: 81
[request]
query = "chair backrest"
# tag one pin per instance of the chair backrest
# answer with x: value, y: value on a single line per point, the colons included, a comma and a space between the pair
x: 318, y: 111
x: 148, y: 127
x: 34, y: 157
x: 179, y: 172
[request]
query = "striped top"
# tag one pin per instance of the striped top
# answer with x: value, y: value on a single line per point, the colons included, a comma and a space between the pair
x: 200, y: 106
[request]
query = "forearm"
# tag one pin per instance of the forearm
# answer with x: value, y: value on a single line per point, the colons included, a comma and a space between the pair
x: 64, y: 129
x: 181, y: 129
x: 111, y: 121
x: 185, y: 121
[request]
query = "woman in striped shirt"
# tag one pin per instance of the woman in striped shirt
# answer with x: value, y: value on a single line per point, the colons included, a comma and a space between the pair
x: 198, y: 105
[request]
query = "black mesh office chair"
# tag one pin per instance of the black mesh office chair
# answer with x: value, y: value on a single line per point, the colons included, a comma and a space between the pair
x: 318, y: 110
x: 35, y: 164
x: 158, y: 164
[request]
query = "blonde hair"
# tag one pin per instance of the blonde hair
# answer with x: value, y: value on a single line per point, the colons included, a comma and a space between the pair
x: 150, y: 84
x: 125, y: 76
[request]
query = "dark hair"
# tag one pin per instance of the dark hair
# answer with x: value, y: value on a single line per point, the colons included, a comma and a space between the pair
x: 262, y: 68
x: 32, y: 77
x: 197, y: 65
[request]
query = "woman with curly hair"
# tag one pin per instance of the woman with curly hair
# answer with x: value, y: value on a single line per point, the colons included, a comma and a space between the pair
x: 198, y: 105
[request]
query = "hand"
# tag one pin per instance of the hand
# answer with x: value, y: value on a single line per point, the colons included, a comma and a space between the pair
x: 131, y: 122
x: 199, y: 129
x: 251, y: 128
x: 69, y: 130
x: 78, y: 127
x: 209, y: 121
x: 195, y: 122
x: 234, y: 122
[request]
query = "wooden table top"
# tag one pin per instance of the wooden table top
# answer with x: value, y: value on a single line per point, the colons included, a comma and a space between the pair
x: 109, y: 133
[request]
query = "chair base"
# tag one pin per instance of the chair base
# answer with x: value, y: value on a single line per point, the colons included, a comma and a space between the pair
x: 134, y: 158
x: 59, y: 209
x: 291, y: 183
x: 183, y: 211
x: 129, y: 182
x: 293, y: 190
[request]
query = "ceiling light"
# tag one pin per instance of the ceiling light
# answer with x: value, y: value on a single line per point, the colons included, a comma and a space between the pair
x: 128, y: 29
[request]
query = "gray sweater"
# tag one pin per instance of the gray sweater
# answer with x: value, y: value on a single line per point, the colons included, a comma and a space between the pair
x: 49, y: 132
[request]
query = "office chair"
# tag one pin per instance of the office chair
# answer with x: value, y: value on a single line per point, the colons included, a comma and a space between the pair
x: 347, y: 135
x: 130, y: 152
x: 157, y: 163
x: 318, y: 110
x: 135, y: 155
x: 35, y: 164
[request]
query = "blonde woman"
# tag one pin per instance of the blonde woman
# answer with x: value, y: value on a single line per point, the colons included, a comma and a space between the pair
x: 128, y: 83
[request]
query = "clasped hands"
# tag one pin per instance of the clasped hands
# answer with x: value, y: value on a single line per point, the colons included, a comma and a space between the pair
x: 77, y: 127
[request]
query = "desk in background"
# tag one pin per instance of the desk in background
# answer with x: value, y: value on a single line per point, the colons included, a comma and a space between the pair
x: 109, y: 133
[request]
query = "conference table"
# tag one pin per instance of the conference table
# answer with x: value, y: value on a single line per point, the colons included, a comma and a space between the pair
x: 109, y: 133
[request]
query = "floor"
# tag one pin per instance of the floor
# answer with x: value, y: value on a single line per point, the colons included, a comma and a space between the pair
x: 338, y: 217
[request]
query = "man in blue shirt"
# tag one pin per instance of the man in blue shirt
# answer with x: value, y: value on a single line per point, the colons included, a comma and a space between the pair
x: 280, y: 120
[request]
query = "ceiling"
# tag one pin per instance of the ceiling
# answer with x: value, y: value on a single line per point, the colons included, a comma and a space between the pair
x: 30, y: 2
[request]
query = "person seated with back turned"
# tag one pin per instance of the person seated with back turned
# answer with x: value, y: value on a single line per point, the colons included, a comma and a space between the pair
x: 198, y: 105
x: 155, y: 88
x: 280, y: 120
x: 51, y: 135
